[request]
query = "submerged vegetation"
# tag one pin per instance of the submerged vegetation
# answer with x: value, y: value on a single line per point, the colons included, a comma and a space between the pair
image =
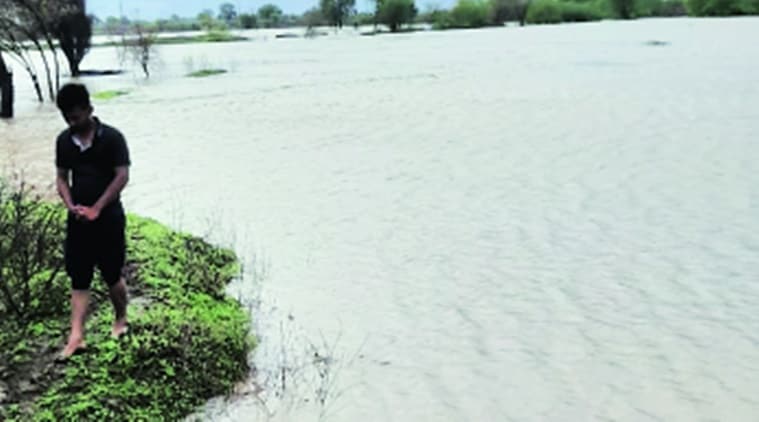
x: 206, y: 72
x: 108, y: 95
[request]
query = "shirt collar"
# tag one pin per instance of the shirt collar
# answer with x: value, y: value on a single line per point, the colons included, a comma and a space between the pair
x: 98, y: 132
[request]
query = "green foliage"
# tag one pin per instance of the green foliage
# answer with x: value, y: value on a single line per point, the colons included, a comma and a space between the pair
x: 471, y: 14
x: 313, y: 17
x: 206, y: 20
x: 248, y: 20
x: 363, y: 18
x: 270, y: 15
x: 227, y: 13
x: 214, y: 35
x: 217, y: 35
x: 31, y: 259
x: 544, y: 11
x: 508, y: 11
x: 645, y: 8
x: 178, y: 355
x: 466, y: 14
x: 580, y: 12
x: 395, y: 13
x: 337, y: 12
x: 176, y: 24
x: 623, y: 9
x: 673, y: 8
x: 553, y: 11
x: 722, y: 7
x: 108, y: 95
x: 187, y: 341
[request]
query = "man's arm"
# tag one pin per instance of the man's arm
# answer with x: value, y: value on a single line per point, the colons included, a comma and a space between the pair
x: 64, y: 190
x: 111, y: 193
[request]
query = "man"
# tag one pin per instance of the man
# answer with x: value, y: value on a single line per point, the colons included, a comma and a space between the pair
x: 97, y: 158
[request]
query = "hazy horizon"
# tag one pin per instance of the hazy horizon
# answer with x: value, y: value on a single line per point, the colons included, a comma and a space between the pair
x: 150, y: 9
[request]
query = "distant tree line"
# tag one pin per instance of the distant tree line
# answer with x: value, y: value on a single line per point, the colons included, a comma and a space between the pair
x: 267, y: 16
x: 397, y: 14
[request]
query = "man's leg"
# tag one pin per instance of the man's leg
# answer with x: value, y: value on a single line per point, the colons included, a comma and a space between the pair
x: 79, y: 301
x: 79, y: 266
x: 112, y: 268
x: 119, y: 298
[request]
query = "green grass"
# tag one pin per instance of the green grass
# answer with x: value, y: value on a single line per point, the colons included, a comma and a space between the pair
x: 108, y: 95
x: 213, y: 36
x: 209, y: 37
x: 205, y: 73
x: 188, y: 341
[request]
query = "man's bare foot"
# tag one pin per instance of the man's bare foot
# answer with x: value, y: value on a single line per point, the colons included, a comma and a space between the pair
x: 74, y: 346
x: 120, y: 328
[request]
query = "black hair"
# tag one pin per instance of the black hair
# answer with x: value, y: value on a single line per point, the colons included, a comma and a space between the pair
x: 71, y: 96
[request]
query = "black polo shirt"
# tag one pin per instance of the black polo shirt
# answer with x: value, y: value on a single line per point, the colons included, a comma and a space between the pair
x: 94, y: 168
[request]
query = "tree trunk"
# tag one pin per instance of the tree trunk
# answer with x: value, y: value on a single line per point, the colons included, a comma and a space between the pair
x: 36, y: 83
x: 6, y: 91
x: 73, y: 66
x: 47, y: 70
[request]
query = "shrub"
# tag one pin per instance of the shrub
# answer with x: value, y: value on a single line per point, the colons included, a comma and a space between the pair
x: 471, y: 14
x: 395, y: 13
x: 31, y: 258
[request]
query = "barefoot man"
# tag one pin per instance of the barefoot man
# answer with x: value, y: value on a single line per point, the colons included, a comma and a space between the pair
x: 93, y: 167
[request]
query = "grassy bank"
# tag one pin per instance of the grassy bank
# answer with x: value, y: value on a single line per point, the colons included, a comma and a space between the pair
x: 209, y: 37
x: 188, y: 341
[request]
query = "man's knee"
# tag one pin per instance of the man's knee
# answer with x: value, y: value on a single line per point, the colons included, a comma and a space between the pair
x: 81, y: 287
x: 81, y: 280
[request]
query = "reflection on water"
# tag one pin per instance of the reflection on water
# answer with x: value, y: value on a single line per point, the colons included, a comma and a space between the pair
x: 541, y: 223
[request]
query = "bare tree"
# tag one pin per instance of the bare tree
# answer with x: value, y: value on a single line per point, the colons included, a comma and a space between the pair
x: 17, y: 40
x: 138, y: 45
x: 36, y: 16
x: 27, y: 25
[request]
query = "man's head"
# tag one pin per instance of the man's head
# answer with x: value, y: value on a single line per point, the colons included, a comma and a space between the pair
x: 74, y: 103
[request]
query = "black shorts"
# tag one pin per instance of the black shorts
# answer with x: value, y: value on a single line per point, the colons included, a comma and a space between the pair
x: 98, y: 243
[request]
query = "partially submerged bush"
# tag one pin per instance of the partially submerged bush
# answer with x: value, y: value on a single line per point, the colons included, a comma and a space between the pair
x: 205, y: 73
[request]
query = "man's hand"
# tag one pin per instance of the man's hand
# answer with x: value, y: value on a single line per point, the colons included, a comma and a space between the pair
x: 86, y: 213
x: 75, y: 211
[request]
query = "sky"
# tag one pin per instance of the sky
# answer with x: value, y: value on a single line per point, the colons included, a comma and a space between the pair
x: 154, y: 9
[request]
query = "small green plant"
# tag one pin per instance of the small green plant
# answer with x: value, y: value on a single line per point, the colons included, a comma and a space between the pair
x: 206, y: 72
x: 109, y: 95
